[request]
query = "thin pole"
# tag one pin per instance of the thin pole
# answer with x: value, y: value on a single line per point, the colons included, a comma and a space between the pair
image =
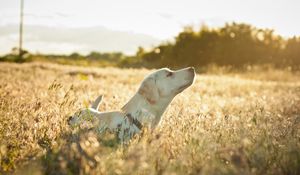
x: 21, y: 29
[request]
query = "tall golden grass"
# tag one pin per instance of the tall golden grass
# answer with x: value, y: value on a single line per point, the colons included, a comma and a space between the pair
x: 224, y: 124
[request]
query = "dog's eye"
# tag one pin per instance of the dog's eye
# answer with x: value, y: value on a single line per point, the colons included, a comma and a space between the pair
x: 169, y: 74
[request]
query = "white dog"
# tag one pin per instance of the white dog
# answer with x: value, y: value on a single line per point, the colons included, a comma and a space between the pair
x: 145, y: 108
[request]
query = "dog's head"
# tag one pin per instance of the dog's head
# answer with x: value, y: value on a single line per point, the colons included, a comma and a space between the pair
x: 84, y: 114
x: 165, y: 83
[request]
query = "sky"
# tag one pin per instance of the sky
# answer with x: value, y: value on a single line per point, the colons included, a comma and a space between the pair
x: 151, y: 20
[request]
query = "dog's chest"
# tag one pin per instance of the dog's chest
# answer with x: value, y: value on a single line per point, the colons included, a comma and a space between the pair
x: 128, y: 128
x: 125, y: 127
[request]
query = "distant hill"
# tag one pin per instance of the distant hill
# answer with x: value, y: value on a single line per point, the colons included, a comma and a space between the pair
x: 46, y: 39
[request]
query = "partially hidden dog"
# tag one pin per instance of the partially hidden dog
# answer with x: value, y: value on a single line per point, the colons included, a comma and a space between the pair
x: 145, y: 108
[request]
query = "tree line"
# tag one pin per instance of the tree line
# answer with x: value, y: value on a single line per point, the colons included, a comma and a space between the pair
x: 235, y: 44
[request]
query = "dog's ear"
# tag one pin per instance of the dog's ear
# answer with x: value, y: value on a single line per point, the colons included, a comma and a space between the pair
x: 149, y: 90
x: 97, y: 103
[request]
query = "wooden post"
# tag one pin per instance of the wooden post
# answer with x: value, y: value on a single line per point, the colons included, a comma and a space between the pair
x: 21, y: 30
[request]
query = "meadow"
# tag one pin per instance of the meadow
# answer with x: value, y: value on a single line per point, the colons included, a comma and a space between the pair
x: 225, y: 123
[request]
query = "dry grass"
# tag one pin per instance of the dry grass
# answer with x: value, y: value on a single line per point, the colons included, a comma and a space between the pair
x: 221, y: 125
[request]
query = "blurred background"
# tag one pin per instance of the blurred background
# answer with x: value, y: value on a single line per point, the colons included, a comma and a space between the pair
x: 152, y: 34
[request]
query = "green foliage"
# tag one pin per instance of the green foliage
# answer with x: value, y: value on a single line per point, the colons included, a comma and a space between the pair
x: 114, y: 56
x: 14, y: 56
x: 291, y: 55
x: 234, y: 45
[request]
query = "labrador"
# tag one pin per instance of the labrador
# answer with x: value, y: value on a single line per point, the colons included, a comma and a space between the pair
x: 145, y: 108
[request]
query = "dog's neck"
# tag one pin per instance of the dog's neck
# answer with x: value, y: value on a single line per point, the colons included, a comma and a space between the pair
x: 138, y: 104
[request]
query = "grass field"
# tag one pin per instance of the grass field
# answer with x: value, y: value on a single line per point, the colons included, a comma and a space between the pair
x: 243, y: 123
